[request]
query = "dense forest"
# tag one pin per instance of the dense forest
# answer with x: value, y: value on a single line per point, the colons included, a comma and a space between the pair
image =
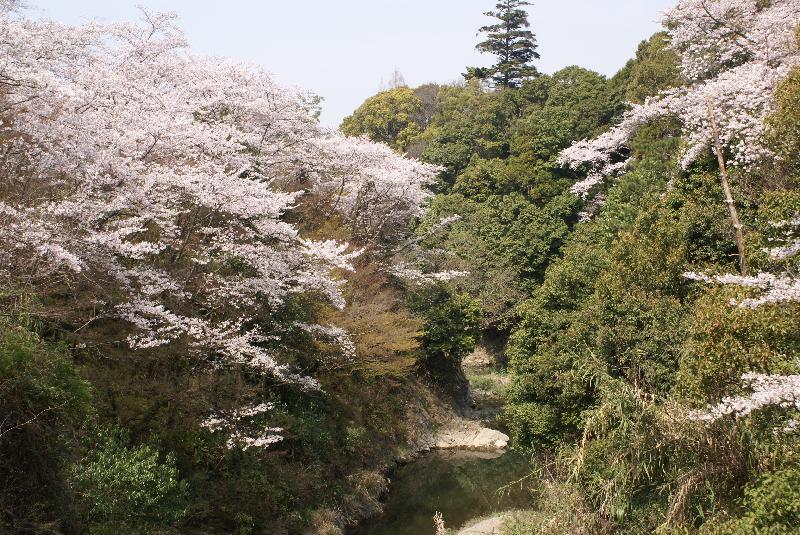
x: 219, y: 316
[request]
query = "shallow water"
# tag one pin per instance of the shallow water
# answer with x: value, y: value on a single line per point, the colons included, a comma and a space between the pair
x: 461, y: 485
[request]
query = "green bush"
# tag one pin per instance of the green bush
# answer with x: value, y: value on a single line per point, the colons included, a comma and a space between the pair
x: 772, y: 506
x: 450, y: 328
x: 726, y: 341
x: 532, y: 423
x: 389, y: 117
x: 43, y: 405
x: 128, y: 489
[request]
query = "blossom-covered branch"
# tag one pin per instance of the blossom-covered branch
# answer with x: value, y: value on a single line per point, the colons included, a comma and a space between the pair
x: 767, y: 391
x: 733, y: 54
x: 241, y: 432
x: 775, y: 289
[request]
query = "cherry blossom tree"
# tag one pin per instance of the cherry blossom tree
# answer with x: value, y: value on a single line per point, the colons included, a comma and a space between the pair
x: 767, y: 390
x: 733, y: 53
x: 157, y: 182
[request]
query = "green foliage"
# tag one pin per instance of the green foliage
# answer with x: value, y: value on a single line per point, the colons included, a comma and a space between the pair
x: 578, y: 105
x: 726, y: 341
x: 500, y: 152
x: 493, y: 281
x: 610, y: 343
x: 450, y: 332
x: 132, y: 489
x: 449, y: 328
x: 785, y: 131
x: 505, y: 244
x: 617, y: 297
x: 392, y: 117
x: 44, y: 404
x: 468, y: 123
x: 772, y: 506
x: 531, y: 125
x: 656, y: 68
x: 613, y: 302
x: 615, y: 344
x: 534, y: 423
x: 40, y: 385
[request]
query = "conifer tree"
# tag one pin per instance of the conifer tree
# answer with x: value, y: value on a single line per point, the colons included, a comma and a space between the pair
x: 511, y: 42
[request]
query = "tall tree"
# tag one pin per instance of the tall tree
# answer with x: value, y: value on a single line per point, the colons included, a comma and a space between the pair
x: 512, y: 43
x: 389, y: 117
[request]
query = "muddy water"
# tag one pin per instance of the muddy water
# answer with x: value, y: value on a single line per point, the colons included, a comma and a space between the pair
x: 461, y: 485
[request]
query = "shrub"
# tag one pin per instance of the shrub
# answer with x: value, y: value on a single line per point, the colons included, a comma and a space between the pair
x: 532, y: 423
x: 726, y: 341
x: 43, y: 404
x: 128, y: 489
x: 772, y: 506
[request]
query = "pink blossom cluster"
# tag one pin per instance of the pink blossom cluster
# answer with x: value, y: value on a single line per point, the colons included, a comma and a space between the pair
x: 785, y: 251
x: 446, y: 222
x: 780, y: 288
x: 712, y: 35
x: 235, y: 424
x: 418, y: 277
x: 776, y: 288
x: 592, y: 207
x: 733, y: 53
x: 791, y: 239
x: 372, y: 185
x: 416, y: 265
x: 333, y: 333
x: 767, y: 391
x: 601, y: 154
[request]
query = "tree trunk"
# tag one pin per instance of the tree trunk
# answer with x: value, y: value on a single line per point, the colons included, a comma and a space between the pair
x: 723, y: 173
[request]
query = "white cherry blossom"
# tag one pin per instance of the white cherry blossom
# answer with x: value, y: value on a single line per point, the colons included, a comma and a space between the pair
x: 767, y: 391
x: 164, y: 179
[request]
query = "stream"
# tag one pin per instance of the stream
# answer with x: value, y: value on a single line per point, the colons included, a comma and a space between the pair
x: 462, y: 485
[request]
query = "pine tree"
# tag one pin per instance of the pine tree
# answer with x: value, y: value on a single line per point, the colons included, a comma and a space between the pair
x: 512, y: 43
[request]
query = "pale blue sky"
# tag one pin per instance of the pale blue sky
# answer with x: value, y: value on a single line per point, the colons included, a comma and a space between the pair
x: 344, y: 49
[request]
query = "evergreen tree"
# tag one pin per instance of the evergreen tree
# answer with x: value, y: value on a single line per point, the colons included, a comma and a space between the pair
x: 512, y: 43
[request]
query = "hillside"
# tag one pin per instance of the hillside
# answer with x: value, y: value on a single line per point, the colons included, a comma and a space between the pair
x: 219, y: 316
